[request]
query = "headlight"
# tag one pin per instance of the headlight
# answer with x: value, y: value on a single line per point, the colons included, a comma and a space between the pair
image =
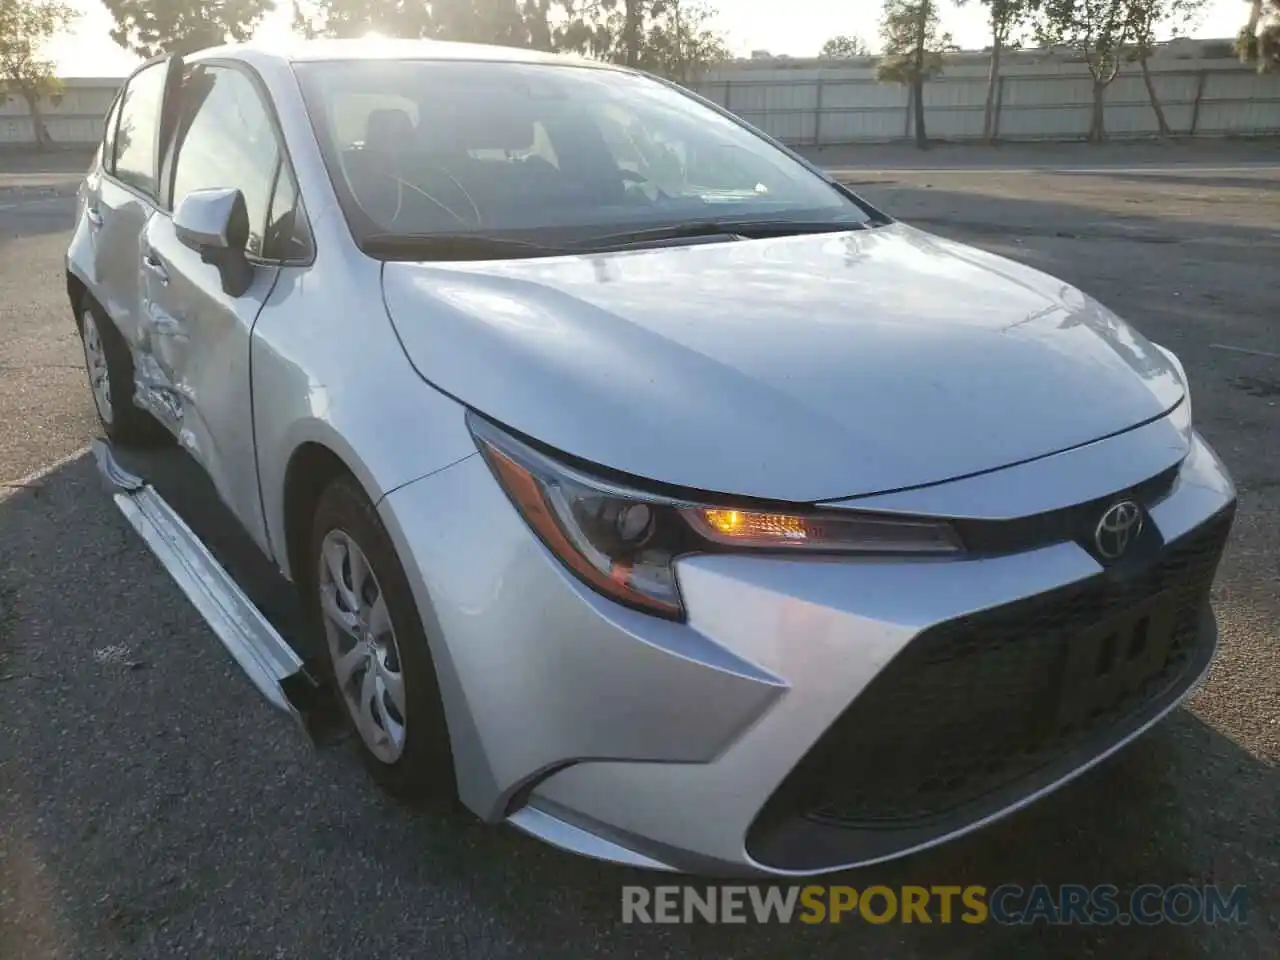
x: 624, y: 542
x: 1181, y: 414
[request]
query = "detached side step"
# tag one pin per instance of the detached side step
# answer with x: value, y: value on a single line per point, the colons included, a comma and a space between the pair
x: 267, y: 659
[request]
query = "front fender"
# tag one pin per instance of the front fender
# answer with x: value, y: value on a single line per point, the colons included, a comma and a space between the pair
x: 328, y: 369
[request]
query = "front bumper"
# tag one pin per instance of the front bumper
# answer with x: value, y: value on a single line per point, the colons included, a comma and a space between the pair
x: 760, y: 737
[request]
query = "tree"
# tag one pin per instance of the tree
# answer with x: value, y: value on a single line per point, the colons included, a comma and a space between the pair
x: 610, y: 30
x: 591, y: 28
x: 481, y: 21
x: 632, y: 30
x: 25, y: 27
x: 680, y: 42
x: 1259, y: 39
x: 512, y: 23
x: 844, y: 47
x: 676, y: 37
x: 913, y: 47
x: 1146, y: 17
x: 1097, y: 30
x: 537, y: 18
x: 354, y: 18
x: 673, y: 38
x: 1004, y: 18
x: 149, y: 28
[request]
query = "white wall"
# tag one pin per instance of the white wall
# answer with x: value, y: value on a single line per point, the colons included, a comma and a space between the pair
x: 75, y: 119
x: 817, y: 102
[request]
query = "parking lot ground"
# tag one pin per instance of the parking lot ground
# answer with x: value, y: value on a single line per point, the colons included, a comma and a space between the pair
x: 26, y: 175
x: 1116, y: 154
x: 152, y: 806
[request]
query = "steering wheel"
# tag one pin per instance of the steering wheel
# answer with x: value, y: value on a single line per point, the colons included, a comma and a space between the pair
x: 634, y: 176
x: 404, y: 186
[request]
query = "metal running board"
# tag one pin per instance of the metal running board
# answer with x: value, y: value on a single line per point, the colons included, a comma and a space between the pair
x: 269, y: 662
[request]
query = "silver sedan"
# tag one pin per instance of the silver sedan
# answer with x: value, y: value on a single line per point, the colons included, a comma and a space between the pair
x: 646, y: 489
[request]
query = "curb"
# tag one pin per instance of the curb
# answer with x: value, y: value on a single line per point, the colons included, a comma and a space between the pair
x: 43, y: 192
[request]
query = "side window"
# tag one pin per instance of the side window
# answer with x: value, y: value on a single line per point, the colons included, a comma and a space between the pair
x: 135, y: 143
x: 108, y: 149
x: 226, y: 140
x: 288, y: 236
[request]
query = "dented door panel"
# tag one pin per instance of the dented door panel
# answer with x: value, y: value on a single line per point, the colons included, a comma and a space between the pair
x: 198, y: 365
x: 159, y: 342
x: 116, y: 248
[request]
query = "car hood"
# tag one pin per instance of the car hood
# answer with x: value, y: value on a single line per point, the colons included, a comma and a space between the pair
x: 799, y: 368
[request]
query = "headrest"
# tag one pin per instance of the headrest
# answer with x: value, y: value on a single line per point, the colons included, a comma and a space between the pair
x: 388, y: 128
x: 449, y: 127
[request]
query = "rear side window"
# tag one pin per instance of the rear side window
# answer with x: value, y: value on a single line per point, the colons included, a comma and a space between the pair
x: 109, y: 136
x: 139, y: 129
x: 227, y: 140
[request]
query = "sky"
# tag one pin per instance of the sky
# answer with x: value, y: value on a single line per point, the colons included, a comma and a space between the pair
x: 88, y: 51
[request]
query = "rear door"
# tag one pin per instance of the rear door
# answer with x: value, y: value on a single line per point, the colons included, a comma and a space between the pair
x: 122, y: 196
x: 225, y: 137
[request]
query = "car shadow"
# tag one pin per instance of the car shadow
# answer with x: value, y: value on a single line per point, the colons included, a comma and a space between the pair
x: 153, y: 805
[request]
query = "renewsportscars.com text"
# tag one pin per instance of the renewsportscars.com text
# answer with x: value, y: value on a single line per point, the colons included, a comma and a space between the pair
x: 1065, y: 904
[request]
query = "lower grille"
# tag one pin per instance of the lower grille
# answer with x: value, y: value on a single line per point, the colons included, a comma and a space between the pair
x: 979, y: 703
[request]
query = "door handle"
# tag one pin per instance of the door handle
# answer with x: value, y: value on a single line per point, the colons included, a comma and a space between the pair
x: 93, y: 215
x: 153, y: 264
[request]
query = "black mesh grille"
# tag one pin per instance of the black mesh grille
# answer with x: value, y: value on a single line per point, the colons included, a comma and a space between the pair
x: 975, y: 704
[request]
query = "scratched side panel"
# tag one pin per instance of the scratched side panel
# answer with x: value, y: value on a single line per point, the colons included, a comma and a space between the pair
x: 200, y: 359
x: 157, y: 347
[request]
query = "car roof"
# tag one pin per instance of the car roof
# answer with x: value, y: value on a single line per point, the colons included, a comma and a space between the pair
x: 382, y: 48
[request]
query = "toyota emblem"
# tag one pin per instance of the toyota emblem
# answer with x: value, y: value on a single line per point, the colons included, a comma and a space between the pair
x: 1118, y: 528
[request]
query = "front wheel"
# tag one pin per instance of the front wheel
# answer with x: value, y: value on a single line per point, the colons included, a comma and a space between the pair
x: 378, y: 661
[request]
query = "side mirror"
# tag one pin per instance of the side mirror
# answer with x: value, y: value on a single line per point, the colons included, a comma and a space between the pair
x: 215, y: 224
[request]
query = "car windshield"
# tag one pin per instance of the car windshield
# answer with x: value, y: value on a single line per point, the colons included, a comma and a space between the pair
x: 555, y: 153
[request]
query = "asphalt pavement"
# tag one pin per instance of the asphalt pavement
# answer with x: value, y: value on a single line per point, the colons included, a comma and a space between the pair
x: 152, y: 806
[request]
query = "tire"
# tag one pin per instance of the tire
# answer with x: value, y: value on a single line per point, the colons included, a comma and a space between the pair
x: 420, y: 765
x: 109, y: 366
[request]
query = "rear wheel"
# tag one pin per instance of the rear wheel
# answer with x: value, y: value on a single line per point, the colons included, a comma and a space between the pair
x: 110, y: 369
x: 378, y: 658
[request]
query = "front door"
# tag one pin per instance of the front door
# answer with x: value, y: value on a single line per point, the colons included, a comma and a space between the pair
x: 202, y: 334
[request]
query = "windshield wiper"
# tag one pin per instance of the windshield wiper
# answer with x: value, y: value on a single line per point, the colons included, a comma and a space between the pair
x: 750, y: 229
x: 452, y: 246
x: 478, y: 246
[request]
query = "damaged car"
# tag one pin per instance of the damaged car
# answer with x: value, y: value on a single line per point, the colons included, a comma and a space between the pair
x: 642, y: 486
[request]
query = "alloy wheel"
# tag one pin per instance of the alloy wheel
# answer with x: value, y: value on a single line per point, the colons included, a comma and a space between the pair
x: 95, y: 362
x: 362, y: 646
